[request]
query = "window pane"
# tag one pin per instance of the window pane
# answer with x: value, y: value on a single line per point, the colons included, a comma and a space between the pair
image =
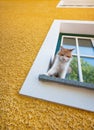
x: 88, y: 69
x: 85, y: 47
x: 69, y: 43
x: 73, y: 70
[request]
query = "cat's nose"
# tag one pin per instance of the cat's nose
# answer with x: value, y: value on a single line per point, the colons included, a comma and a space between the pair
x: 65, y: 60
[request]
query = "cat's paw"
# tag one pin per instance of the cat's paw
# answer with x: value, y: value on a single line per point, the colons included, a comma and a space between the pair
x: 46, y: 74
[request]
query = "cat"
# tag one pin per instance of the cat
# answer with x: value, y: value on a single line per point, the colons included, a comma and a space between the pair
x: 61, y: 63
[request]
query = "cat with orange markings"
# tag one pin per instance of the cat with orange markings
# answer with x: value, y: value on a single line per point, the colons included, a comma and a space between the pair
x: 61, y: 63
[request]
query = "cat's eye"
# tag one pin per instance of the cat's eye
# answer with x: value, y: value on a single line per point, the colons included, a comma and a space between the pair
x: 68, y: 56
x: 62, y: 54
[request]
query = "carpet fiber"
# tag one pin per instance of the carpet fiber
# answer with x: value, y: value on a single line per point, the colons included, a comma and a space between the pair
x: 23, y: 27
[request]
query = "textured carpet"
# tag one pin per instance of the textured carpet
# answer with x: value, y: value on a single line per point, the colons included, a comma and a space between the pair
x: 23, y: 27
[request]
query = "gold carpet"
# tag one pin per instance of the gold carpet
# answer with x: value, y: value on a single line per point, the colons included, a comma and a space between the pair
x: 23, y: 28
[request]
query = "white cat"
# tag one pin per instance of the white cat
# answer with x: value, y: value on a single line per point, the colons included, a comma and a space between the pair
x: 61, y: 63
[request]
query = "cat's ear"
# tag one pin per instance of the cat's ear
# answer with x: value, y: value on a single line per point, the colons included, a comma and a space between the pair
x: 61, y: 47
x: 71, y: 49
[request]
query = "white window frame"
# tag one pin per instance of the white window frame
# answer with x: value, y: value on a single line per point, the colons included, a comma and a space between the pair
x: 56, y: 92
x: 61, y: 5
x: 78, y: 55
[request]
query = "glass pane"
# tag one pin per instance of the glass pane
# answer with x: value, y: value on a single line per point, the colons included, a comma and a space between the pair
x: 88, y: 69
x: 69, y: 43
x: 85, y: 47
x: 73, y: 70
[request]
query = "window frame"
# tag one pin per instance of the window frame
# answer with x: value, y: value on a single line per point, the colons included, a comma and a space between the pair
x: 66, y: 81
x: 78, y: 55
x: 55, y: 92
x: 62, y: 5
